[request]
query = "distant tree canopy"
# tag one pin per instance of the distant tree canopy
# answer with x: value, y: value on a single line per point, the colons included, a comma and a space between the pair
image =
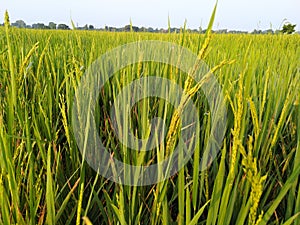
x: 129, y: 27
x: 19, y: 24
x: 63, y: 27
x: 39, y: 26
x: 52, y: 25
x: 288, y: 28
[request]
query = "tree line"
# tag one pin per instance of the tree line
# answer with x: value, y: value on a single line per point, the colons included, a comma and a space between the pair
x: 287, y: 28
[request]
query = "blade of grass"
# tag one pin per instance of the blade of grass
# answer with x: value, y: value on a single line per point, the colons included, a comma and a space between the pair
x: 49, y: 191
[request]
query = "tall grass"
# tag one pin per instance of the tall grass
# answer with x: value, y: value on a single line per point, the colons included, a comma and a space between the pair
x: 43, y: 178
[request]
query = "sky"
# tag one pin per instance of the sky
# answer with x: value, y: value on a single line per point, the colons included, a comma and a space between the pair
x: 245, y: 15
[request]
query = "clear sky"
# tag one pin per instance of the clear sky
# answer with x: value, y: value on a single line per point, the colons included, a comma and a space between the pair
x: 231, y: 14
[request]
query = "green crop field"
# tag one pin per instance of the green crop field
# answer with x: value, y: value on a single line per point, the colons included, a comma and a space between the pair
x: 254, y: 178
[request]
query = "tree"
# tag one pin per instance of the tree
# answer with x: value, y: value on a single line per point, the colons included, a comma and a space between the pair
x: 127, y: 28
x: 38, y: 26
x: 19, y: 24
x: 52, y: 25
x: 150, y: 29
x: 256, y: 31
x: 63, y: 27
x: 135, y: 28
x: 85, y: 27
x: 269, y: 31
x: 288, y: 28
x: 91, y: 27
x: 131, y: 28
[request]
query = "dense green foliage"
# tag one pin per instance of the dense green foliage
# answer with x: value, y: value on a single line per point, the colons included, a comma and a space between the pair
x: 254, y: 179
x: 288, y: 28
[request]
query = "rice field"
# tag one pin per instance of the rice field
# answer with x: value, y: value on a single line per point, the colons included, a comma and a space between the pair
x: 253, y: 179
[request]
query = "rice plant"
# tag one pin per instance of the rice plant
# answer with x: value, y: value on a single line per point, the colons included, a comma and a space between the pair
x: 253, y: 180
